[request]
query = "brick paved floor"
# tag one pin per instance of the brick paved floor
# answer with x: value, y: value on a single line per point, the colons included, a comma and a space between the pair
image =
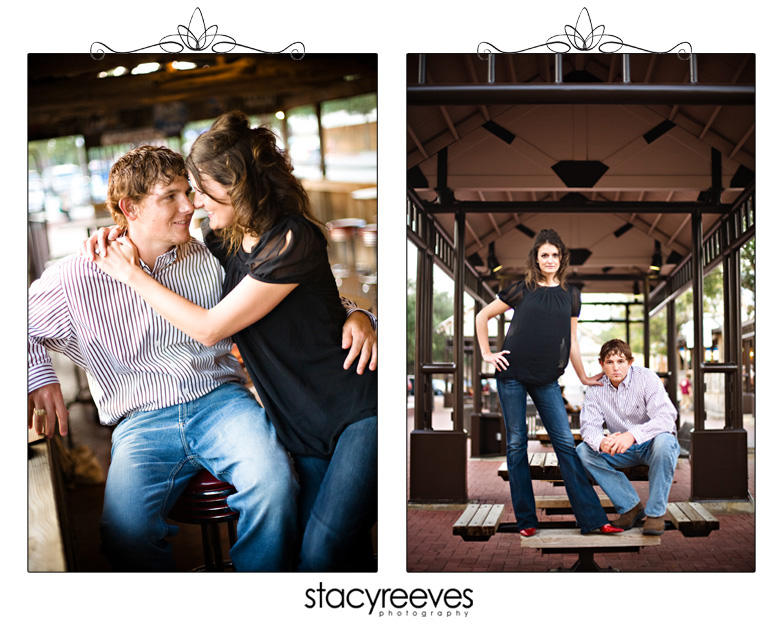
x: 431, y: 547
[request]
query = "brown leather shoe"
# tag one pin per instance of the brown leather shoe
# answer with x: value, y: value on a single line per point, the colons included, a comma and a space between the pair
x: 627, y: 520
x: 654, y: 526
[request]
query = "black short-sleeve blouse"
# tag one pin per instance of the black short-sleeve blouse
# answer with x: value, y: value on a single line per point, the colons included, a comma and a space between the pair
x: 293, y: 354
x: 540, y: 334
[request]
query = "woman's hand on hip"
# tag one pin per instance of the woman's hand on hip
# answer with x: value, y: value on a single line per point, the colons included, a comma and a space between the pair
x: 497, y: 359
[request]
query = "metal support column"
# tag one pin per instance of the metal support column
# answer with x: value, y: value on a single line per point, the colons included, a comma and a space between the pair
x: 476, y: 376
x: 423, y: 409
x: 646, y: 323
x: 733, y: 349
x: 628, y: 325
x: 672, y: 355
x: 322, y: 142
x: 459, y: 355
x: 698, y: 354
x: 719, y: 457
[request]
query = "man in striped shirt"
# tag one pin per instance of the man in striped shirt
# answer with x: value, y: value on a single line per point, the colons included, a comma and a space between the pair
x: 177, y: 405
x: 633, y: 405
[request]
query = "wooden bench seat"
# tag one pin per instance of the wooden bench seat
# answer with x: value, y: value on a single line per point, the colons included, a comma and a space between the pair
x: 544, y: 467
x: 586, y: 546
x: 478, y: 523
x: 691, y: 519
x: 559, y: 504
x: 543, y: 436
x: 562, y: 539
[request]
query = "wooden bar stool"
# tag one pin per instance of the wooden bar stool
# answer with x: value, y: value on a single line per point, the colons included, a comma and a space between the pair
x: 204, y: 503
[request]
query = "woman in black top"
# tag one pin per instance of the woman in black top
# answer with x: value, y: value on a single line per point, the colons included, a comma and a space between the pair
x: 281, y: 305
x: 541, y: 339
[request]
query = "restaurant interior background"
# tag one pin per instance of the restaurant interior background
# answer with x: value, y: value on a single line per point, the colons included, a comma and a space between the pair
x: 83, y: 113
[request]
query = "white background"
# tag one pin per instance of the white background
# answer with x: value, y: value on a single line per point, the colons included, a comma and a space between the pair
x: 390, y: 30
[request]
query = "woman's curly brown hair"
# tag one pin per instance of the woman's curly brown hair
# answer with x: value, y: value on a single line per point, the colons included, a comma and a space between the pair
x: 533, y: 275
x: 257, y: 175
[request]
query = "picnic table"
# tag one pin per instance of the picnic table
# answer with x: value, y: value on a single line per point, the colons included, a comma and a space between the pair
x: 479, y: 523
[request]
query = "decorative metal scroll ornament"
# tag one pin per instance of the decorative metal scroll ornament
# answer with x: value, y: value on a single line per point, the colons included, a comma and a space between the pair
x: 196, y: 37
x: 583, y: 37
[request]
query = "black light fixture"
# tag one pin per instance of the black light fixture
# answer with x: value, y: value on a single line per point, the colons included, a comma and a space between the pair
x: 499, y: 131
x: 674, y: 258
x: 636, y: 288
x: 656, y: 260
x: 658, y: 130
x: 525, y: 230
x: 416, y: 178
x: 623, y: 229
x: 580, y: 173
x: 475, y: 260
x: 492, y: 261
x: 578, y: 256
x: 743, y: 177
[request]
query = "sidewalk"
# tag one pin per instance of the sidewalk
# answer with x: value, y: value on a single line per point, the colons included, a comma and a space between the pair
x: 431, y: 547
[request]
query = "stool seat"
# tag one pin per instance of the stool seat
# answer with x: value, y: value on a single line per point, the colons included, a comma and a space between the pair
x: 203, y: 502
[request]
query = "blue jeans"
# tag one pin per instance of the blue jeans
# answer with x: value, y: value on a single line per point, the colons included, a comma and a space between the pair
x: 155, y: 454
x: 585, y: 503
x: 660, y: 455
x: 338, y: 502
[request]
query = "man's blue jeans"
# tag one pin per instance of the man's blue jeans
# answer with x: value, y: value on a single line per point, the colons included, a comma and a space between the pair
x: 338, y: 502
x: 155, y: 454
x: 549, y: 403
x: 660, y: 455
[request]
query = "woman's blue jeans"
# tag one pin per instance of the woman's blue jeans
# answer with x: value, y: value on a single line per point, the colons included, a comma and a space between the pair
x: 338, y: 502
x: 155, y: 454
x: 549, y: 403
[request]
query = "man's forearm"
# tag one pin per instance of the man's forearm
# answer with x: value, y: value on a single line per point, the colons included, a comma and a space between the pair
x: 591, y: 424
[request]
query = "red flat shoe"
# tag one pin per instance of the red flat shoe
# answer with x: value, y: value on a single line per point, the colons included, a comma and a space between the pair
x: 609, y: 529
x: 527, y: 533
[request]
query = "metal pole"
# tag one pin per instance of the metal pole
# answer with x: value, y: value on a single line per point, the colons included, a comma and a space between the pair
x: 459, y: 356
x: 626, y: 68
x: 646, y: 322
x: 423, y: 351
x: 558, y: 68
x: 477, y: 365
x: 693, y: 69
x: 672, y: 355
x: 579, y: 93
x: 628, y: 326
x: 587, y: 206
x: 733, y: 348
x: 422, y: 63
x: 322, y: 156
x: 491, y: 68
x: 716, y: 188
x: 698, y: 355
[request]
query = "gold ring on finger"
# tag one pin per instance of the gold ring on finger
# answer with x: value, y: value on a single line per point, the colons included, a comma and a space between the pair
x: 40, y: 412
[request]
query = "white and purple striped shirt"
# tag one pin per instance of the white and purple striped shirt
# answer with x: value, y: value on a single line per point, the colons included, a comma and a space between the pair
x: 639, y: 405
x: 134, y: 358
